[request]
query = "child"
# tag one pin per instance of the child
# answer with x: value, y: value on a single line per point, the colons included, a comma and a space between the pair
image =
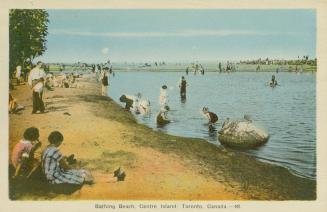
x: 213, y: 118
x: 22, y: 157
x: 163, y: 98
x: 162, y: 117
x: 129, y: 100
x: 56, y: 167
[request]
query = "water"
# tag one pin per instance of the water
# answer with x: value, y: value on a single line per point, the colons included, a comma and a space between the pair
x: 287, y: 112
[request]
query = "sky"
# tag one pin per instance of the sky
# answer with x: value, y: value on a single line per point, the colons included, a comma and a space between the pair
x: 178, y: 35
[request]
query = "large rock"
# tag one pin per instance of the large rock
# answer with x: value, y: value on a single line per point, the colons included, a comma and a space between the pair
x: 242, y: 134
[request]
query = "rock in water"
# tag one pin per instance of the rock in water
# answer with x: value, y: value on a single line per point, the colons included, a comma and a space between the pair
x: 242, y: 134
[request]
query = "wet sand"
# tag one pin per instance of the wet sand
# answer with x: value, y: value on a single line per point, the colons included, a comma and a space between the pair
x: 103, y: 136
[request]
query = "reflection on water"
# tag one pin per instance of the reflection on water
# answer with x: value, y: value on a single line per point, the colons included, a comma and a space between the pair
x: 287, y: 112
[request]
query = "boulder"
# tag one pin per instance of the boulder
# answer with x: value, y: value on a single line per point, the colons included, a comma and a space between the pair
x: 242, y: 134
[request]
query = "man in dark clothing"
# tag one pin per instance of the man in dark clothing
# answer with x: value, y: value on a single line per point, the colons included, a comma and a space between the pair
x: 182, y: 87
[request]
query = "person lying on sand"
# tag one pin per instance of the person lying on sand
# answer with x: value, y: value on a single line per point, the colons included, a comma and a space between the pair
x: 13, y: 106
x: 56, y: 166
x: 22, y: 157
x: 212, y: 117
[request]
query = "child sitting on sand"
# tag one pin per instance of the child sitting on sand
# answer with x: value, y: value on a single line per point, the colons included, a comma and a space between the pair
x: 22, y: 157
x: 56, y: 167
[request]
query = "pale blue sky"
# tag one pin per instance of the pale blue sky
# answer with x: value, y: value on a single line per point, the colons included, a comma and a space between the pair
x: 179, y: 35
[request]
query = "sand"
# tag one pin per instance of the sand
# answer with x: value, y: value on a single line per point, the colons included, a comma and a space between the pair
x: 103, y: 136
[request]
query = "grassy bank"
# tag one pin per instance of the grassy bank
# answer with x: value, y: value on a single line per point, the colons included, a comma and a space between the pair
x: 104, y: 136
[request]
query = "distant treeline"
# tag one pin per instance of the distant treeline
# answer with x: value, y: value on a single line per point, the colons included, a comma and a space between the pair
x: 305, y: 60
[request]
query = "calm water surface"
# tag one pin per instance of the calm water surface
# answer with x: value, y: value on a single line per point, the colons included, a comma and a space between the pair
x: 287, y: 112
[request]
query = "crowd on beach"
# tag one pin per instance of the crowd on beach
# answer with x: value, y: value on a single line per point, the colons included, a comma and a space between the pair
x: 58, y: 170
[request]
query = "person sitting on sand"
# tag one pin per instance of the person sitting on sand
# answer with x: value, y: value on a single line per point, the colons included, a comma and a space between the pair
x: 22, y: 157
x: 13, y: 106
x: 273, y: 82
x: 56, y: 166
x: 162, y: 116
x: 212, y: 117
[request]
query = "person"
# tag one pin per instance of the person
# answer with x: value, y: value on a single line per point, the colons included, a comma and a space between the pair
x: 128, y: 100
x: 22, y: 157
x: 182, y: 86
x: 273, y: 82
x: 56, y: 167
x: 219, y: 67
x: 258, y: 68
x: 36, y: 81
x: 18, y: 73
x: 187, y: 70
x: 212, y: 117
x: 104, y: 78
x: 163, y: 97
x: 202, y: 69
x: 13, y: 106
x: 144, y: 106
x: 162, y: 116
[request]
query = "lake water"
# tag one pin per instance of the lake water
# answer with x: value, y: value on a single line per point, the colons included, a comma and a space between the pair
x: 287, y: 112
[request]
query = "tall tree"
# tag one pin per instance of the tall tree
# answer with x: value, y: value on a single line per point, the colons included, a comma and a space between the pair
x: 27, y: 35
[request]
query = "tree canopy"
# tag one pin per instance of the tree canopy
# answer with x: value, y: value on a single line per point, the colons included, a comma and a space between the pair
x: 28, y: 29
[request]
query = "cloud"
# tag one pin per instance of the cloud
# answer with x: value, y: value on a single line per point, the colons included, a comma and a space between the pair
x: 183, y: 33
x: 105, y: 51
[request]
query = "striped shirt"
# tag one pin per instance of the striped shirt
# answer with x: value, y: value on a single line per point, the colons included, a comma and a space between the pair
x: 54, y: 173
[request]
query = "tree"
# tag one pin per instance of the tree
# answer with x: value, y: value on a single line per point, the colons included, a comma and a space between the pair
x: 27, y: 35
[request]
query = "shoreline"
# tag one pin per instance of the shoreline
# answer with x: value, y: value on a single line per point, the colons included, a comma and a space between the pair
x: 159, y: 166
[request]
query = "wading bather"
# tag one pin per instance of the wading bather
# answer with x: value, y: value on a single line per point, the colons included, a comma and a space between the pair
x: 162, y: 117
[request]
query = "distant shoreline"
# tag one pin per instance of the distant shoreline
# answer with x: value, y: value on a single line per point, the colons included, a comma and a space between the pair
x: 207, y: 68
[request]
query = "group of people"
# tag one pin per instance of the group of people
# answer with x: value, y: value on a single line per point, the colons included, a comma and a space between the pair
x: 196, y: 68
x: 56, y: 168
x: 38, y: 80
x: 142, y: 106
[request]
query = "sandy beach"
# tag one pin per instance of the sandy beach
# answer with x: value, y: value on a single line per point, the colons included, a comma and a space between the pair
x: 103, y: 136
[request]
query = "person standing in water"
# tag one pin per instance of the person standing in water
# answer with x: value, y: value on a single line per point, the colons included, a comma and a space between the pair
x: 273, y: 82
x: 182, y: 86
x: 220, y: 67
x: 163, y: 98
